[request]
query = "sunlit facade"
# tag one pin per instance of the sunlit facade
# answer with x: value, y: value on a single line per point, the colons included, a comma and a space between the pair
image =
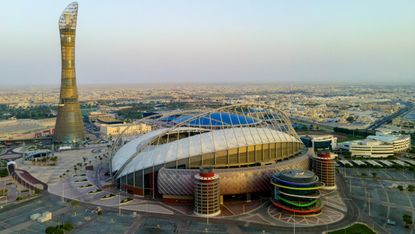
x: 244, y: 144
x: 69, y: 126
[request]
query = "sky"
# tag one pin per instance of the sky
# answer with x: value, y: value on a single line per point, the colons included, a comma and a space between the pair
x: 212, y: 41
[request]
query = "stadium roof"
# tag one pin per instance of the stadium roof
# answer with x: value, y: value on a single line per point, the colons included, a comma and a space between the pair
x: 213, y: 119
x: 207, y: 142
x: 201, y: 132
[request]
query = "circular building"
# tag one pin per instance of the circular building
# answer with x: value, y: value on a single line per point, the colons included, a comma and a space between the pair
x: 245, y: 144
x: 324, y: 166
x: 297, y: 191
x: 207, y: 193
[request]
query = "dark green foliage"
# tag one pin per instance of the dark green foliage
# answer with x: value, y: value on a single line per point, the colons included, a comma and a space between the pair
x: 59, y: 229
x: 356, y: 228
x: 33, y: 112
x: 3, y: 172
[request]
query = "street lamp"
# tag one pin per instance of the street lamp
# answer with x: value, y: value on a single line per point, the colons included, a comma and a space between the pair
x: 119, y: 204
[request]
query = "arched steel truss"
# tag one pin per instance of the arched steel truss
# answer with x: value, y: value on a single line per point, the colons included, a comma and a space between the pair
x: 264, y: 116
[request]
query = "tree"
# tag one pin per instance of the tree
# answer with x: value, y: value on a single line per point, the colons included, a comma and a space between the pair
x: 411, y: 188
x: 374, y: 174
x: 67, y: 226
x: 407, y: 219
x: 50, y: 230
x: 400, y: 187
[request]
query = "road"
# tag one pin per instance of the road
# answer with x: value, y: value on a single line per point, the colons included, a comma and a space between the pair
x: 389, y: 118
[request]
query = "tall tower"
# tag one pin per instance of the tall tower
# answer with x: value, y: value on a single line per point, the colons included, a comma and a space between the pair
x: 69, y: 126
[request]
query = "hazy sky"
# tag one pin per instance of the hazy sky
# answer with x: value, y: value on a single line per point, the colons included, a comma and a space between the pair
x: 212, y: 41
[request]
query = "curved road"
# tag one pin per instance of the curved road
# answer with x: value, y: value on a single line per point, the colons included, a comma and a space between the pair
x: 351, y: 216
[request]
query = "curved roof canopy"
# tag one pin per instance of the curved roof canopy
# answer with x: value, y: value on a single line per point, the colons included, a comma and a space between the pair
x: 208, y: 142
x: 196, y: 132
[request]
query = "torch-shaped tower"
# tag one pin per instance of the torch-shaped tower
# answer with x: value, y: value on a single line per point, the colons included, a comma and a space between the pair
x: 69, y: 126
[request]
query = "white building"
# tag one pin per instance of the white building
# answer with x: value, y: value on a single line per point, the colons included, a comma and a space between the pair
x: 379, y: 146
x: 319, y: 141
x: 129, y: 128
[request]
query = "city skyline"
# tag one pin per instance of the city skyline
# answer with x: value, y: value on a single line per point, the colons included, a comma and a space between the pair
x: 212, y: 42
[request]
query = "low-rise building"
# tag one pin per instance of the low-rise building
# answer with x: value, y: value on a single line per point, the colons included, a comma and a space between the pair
x: 319, y: 141
x: 95, y: 115
x: 111, y: 130
x: 379, y: 146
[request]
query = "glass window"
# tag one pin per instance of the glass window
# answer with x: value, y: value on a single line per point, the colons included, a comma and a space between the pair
x: 233, y: 156
x: 273, y: 155
x: 171, y: 165
x: 258, y: 150
x: 130, y: 179
x: 290, y: 148
x: 279, y: 150
x: 195, y: 162
x: 242, y: 155
x: 183, y: 163
x: 138, y: 179
x: 284, y: 149
x: 265, y: 149
x: 208, y: 159
x: 221, y: 157
x: 251, y: 153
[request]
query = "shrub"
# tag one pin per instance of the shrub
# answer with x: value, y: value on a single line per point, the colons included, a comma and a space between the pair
x: 407, y: 219
x: 68, y: 226
x: 3, y: 172
x: 50, y: 230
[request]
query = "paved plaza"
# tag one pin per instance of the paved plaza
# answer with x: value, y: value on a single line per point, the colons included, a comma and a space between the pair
x: 66, y: 161
x: 333, y: 212
x: 143, y: 215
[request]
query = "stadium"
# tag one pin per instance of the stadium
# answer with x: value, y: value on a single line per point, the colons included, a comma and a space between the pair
x: 244, y: 144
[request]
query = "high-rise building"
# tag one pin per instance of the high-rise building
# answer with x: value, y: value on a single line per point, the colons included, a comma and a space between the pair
x: 69, y: 126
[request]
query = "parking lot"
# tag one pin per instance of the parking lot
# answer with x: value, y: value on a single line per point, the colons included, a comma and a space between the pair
x: 377, y: 192
x: 16, y: 219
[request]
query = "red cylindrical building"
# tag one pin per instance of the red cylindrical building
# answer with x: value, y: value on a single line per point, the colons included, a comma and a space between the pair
x: 207, y: 193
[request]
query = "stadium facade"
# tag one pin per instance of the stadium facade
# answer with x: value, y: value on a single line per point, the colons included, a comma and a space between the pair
x: 243, y: 144
x: 69, y: 127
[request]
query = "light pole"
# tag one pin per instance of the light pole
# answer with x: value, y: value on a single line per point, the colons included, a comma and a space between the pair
x: 119, y: 204
x: 327, y: 224
x: 63, y: 190
x: 368, y: 197
x: 294, y: 222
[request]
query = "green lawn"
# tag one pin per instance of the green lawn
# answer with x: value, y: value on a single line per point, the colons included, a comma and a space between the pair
x: 356, y: 228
